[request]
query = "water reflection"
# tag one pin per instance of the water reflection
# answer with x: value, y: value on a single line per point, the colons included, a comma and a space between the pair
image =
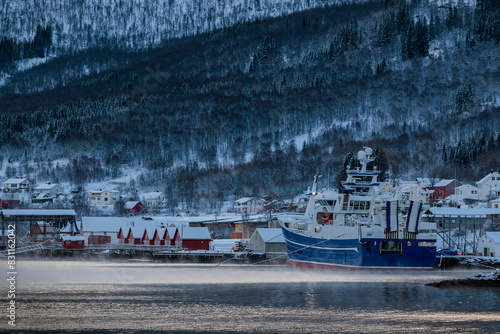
x: 62, y: 296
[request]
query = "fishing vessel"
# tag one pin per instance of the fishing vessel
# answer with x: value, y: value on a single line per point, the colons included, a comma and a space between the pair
x: 365, y: 224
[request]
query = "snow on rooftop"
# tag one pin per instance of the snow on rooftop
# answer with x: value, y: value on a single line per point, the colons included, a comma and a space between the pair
x: 273, y: 235
x: 38, y: 212
x: 486, y: 178
x: 247, y: 199
x: 106, y: 224
x: 461, y: 197
x: 495, y: 236
x: 130, y: 204
x: 113, y: 224
x: 195, y: 233
x: 455, y: 212
x: 154, y: 194
x: 16, y: 180
x: 72, y: 238
x: 465, y: 186
x: 443, y: 183
x: 46, y: 186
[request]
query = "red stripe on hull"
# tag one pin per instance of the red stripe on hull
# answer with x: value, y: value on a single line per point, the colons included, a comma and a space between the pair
x: 312, y: 265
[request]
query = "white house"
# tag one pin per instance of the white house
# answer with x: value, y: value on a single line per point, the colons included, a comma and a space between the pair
x: 103, y: 197
x: 52, y: 189
x: 248, y: 205
x: 486, y: 185
x: 154, y: 199
x: 467, y: 190
x: 489, y: 244
x: 14, y: 185
x: 495, y: 192
x: 495, y: 204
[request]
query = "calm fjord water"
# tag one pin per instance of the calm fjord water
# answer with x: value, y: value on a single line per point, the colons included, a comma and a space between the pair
x: 83, y: 296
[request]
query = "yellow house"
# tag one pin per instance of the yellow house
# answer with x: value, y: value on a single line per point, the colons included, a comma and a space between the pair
x: 103, y: 197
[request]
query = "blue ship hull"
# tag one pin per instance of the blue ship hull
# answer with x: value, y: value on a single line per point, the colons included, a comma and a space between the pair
x: 351, y: 253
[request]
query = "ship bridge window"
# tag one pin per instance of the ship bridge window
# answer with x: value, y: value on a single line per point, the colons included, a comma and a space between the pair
x: 360, y: 205
x: 390, y: 247
x: 362, y: 190
x: 363, y: 179
x: 327, y: 202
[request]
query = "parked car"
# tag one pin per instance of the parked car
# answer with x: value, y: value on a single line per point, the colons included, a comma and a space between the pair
x: 448, y: 252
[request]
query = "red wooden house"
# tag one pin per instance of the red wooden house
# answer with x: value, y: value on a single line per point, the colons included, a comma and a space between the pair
x: 41, y: 231
x: 99, y: 239
x: 195, y: 238
x: 135, y: 236
x: 73, y: 242
x: 9, y: 204
x: 445, y: 188
x: 154, y: 237
x: 172, y: 237
x: 135, y: 207
x: 122, y: 238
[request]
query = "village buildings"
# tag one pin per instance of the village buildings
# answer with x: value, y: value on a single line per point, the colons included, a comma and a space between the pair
x: 248, y: 205
x: 14, y: 185
x: 103, y: 197
x: 486, y: 186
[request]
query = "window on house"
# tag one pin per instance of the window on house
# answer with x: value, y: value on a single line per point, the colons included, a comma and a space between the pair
x: 105, y: 199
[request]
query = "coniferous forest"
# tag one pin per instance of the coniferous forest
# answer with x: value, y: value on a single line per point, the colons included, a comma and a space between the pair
x: 262, y: 105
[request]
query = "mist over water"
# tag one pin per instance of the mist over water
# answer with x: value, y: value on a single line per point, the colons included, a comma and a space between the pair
x: 89, y: 296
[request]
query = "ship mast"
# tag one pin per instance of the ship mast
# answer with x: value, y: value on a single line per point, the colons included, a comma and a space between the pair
x: 310, y: 204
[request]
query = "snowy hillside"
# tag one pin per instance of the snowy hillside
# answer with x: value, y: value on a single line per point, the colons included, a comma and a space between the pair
x: 257, y: 106
x: 136, y: 23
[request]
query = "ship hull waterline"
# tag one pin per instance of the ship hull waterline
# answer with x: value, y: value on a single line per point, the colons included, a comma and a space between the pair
x: 352, y: 254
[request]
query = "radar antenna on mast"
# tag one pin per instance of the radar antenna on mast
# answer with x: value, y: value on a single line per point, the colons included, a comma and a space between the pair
x: 365, y: 157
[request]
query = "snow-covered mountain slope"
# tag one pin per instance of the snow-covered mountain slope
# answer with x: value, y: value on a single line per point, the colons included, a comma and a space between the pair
x: 136, y: 24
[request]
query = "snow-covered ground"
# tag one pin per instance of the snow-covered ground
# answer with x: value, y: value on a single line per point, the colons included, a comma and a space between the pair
x: 494, y: 275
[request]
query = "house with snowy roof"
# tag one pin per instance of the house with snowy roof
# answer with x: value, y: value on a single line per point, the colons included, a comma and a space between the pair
x: 169, y: 235
x: 248, y: 205
x: 18, y: 184
x: 445, y: 188
x: 154, y: 199
x: 487, y: 184
x: 137, y: 235
x: 489, y: 244
x: 195, y: 238
x: 267, y: 241
x: 72, y: 242
x: 52, y: 189
x: 135, y: 207
x: 495, y: 192
x: 495, y: 203
x: 467, y: 190
x: 173, y: 238
x: 91, y: 227
x: 103, y: 197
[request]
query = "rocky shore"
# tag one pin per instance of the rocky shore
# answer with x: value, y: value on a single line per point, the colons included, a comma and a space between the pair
x: 491, y: 280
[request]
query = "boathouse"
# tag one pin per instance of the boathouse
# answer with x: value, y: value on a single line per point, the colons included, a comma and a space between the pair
x: 173, y: 237
x: 195, y: 238
x: 73, y: 242
x: 489, y: 244
x: 267, y: 241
